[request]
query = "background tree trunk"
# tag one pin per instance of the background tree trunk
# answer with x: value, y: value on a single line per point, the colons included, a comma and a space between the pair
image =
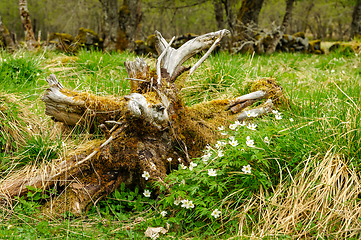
x: 229, y: 15
x: 129, y: 20
x: 25, y: 19
x: 286, y: 20
x: 218, y: 12
x: 356, y: 20
x: 249, y: 11
x: 305, y: 21
x: 288, y: 15
x: 111, y: 24
x: 6, y: 36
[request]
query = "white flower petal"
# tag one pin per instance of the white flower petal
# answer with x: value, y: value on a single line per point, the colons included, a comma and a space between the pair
x: 216, y: 213
x: 146, y: 193
x: 212, y: 172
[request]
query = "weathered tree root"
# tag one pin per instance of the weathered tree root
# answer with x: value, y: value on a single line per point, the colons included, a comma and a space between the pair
x: 147, y: 127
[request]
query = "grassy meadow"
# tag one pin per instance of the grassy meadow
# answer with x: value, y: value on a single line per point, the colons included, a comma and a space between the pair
x: 297, y: 175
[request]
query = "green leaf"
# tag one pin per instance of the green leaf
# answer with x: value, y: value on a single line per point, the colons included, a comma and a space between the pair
x: 117, y: 194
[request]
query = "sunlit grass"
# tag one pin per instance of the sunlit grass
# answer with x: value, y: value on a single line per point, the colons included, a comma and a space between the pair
x: 318, y: 153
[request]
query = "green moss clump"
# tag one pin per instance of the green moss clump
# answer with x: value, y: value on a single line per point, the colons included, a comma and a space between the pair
x: 67, y: 38
x: 267, y: 40
x: 140, y: 47
x: 2, y: 42
x: 122, y: 41
x: 315, y: 47
x: 346, y: 48
x: 63, y: 41
x: 273, y: 89
x: 150, y: 45
x: 151, y: 41
x: 300, y: 34
x: 88, y: 38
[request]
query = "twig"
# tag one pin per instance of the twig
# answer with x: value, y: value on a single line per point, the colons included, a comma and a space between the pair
x: 115, y: 122
x: 136, y: 79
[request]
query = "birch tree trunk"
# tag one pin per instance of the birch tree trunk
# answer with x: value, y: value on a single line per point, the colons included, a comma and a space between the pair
x: 111, y: 24
x: 25, y: 19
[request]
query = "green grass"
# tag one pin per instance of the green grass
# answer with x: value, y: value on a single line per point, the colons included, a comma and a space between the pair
x: 322, y: 141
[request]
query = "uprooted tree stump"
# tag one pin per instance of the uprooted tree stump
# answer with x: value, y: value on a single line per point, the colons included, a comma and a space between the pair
x: 142, y: 130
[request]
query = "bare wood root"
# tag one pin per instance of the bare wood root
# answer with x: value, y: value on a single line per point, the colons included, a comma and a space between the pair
x: 136, y: 69
x: 59, y: 105
x: 74, y: 108
x: 263, y: 109
x: 238, y: 104
x: 149, y: 126
x: 174, y: 58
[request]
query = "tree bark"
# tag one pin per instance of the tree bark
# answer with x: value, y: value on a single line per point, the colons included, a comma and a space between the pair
x: 288, y: 15
x: 111, y: 24
x: 279, y: 34
x: 356, y: 20
x: 229, y: 15
x: 307, y: 11
x: 129, y: 20
x: 249, y: 11
x: 6, y: 36
x: 218, y: 12
x: 25, y: 19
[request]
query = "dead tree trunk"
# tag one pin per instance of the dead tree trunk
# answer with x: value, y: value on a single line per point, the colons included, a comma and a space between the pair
x: 6, y: 36
x: 25, y: 19
x: 356, y: 20
x: 142, y: 130
x: 279, y: 34
x: 111, y: 24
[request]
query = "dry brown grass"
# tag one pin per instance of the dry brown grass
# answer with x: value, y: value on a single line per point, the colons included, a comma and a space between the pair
x: 320, y: 202
x: 19, y: 120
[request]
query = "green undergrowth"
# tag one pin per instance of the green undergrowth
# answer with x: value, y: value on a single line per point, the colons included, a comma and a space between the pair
x: 213, y: 198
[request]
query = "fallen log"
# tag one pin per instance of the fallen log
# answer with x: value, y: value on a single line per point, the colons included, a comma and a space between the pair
x: 142, y: 130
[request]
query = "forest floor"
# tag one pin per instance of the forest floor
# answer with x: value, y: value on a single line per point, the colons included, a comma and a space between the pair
x: 300, y: 179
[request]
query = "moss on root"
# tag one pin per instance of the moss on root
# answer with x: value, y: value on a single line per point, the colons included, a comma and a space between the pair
x: 300, y: 34
x: 354, y: 46
x: 88, y: 38
x: 273, y: 89
x: 315, y: 47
